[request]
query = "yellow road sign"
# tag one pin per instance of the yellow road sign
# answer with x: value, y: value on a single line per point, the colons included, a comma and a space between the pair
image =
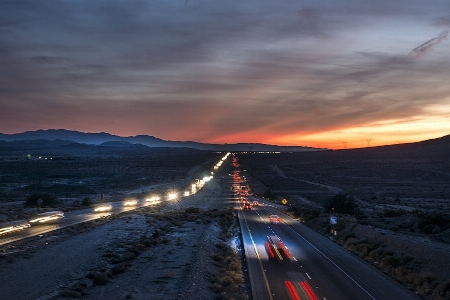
x: 284, y: 201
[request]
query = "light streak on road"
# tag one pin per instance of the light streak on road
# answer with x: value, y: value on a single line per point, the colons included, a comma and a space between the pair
x: 308, y: 290
x: 103, y: 208
x: 47, y: 217
x: 292, y: 291
x: 331, y: 261
x: 13, y: 226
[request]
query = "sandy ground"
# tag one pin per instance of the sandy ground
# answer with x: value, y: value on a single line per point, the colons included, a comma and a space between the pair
x: 64, y: 264
x: 170, y: 271
x: 176, y: 268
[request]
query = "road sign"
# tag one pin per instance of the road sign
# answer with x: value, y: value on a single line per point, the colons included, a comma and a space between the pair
x: 333, y: 220
x: 284, y: 201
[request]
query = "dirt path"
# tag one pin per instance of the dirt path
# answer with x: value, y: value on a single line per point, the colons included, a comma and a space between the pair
x: 333, y: 189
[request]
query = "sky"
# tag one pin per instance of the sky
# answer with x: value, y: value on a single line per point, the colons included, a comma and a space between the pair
x: 322, y: 73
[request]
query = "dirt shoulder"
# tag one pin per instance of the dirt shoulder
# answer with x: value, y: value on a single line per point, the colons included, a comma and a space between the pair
x: 144, y: 255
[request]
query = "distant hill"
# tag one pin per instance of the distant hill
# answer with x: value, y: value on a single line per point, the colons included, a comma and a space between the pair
x: 66, y: 137
x: 433, y: 146
x: 408, y: 153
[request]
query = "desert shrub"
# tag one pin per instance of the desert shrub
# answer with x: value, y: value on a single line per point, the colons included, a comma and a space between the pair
x: 169, y: 274
x: 128, y: 256
x: 68, y: 293
x: 442, y: 291
x: 41, y: 200
x: 269, y: 195
x: 394, y: 228
x: 342, y: 203
x: 407, y: 259
x: 437, y: 229
x: 349, y: 235
x: 119, y: 268
x: 433, y: 218
x: 375, y: 254
x: 192, y: 210
x: 217, y: 257
x: 221, y: 245
x: 100, y: 278
x: 425, y: 283
x: 391, y: 262
x: 430, y: 228
x: 392, y: 213
x: 226, y: 221
x: 156, y: 234
x: 228, y: 275
x: 424, y: 277
x: 116, y: 259
x: 137, y: 248
x: 86, y: 201
x: 304, y: 214
x: 10, y: 258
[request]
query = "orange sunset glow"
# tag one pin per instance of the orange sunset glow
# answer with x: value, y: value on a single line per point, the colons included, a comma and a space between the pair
x: 333, y: 75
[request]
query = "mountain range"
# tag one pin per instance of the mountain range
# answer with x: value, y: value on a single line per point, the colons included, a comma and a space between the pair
x: 62, y: 137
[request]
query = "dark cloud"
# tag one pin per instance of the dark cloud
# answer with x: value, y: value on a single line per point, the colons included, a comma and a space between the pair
x: 50, y: 59
x: 425, y: 47
x: 216, y: 68
x: 442, y: 21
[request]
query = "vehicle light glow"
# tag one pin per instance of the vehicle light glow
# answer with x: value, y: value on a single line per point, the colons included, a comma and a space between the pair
x: 47, y: 217
x: 172, y: 196
x: 208, y: 178
x: 13, y: 226
x: 153, y: 198
x: 308, y: 290
x: 272, y: 255
x: 102, y: 208
x: 44, y: 219
x: 292, y: 291
x: 130, y: 202
x: 286, y: 251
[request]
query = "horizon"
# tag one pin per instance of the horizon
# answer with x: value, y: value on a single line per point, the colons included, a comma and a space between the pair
x: 336, y: 75
x: 188, y: 141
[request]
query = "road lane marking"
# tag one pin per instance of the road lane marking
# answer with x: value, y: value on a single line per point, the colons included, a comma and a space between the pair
x: 329, y: 259
x: 259, y: 258
x: 308, y: 275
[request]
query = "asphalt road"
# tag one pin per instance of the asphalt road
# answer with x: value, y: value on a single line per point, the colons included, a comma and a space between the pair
x: 330, y: 271
x: 70, y: 218
x: 213, y: 194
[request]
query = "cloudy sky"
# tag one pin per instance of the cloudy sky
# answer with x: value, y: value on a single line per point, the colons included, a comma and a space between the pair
x: 320, y: 73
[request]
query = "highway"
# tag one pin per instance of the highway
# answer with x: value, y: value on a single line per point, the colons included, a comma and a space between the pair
x: 70, y: 218
x: 211, y: 197
x: 317, y: 267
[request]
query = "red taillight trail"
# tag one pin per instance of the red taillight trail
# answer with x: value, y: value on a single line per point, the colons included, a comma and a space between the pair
x: 292, y: 291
